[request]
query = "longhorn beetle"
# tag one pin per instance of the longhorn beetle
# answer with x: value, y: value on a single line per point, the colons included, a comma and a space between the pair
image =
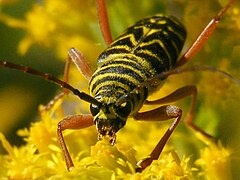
x: 133, y: 66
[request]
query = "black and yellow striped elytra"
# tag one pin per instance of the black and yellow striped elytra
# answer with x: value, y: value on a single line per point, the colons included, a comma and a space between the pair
x: 146, y: 49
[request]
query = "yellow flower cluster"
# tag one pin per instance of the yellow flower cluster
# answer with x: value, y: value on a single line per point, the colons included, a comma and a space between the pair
x: 41, y: 156
x: 55, y: 24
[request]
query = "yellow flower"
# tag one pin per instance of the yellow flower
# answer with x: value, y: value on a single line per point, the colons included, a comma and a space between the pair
x: 215, y: 161
x: 55, y: 24
x: 41, y: 156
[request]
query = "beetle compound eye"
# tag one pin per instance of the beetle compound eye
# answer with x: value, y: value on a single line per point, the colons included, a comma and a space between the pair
x: 124, y: 109
x: 94, y: 109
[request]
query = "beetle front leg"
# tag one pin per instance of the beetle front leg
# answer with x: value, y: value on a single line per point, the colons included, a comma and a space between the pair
x: 163, y: 113
x: 72, y: 122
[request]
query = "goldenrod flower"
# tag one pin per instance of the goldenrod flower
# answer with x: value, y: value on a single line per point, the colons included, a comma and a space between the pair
x: 55, y: 24
x: 216, y: 162
x: 41, y: 156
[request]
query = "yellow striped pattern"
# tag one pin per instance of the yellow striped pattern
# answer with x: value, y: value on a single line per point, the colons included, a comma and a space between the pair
x: 146, y: 49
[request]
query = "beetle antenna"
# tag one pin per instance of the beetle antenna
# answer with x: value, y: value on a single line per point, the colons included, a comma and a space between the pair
x: 200, y: 68
x: 175, y: 71
x: 51, y: 78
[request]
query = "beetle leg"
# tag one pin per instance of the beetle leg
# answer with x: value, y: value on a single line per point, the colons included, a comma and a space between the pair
x: 168, y: 112
x: 177, y: 95
x: 203, y: 36
x: 80, y: 62
x: 103, y: 21
x: 78, y: 58
x: 72, y: 122
x: 163, y: 113
x: 180, y: 94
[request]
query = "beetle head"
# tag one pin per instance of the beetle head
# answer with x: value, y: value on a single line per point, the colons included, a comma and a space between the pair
x: 109, y: 118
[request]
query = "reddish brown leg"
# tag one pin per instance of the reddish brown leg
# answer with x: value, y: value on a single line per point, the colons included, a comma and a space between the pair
x: 72, y: 122
x: 179, y: 94
x: 204, y: 36
x: 80, y: 62
x: 103, y: 21
x: 163, y: 113
x: 166, y: 113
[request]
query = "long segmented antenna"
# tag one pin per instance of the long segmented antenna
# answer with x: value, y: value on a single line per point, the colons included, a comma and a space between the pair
x: 175, y: 71
x: 51, y: 78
